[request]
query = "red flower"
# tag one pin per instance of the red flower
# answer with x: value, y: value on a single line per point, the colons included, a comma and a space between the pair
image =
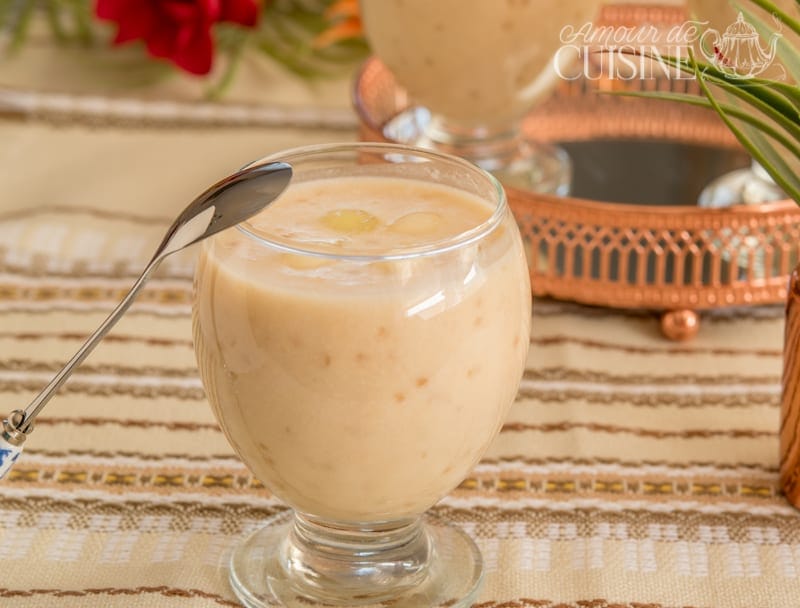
x: 178, y: 30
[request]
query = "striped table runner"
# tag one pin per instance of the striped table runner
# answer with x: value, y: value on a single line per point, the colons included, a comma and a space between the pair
x: 631, y: 472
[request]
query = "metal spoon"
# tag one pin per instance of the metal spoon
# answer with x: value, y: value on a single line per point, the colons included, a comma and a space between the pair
x: 226, y: 203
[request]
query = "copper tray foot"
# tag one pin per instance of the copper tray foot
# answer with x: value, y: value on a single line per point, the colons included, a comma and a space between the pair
x: 680, y: 325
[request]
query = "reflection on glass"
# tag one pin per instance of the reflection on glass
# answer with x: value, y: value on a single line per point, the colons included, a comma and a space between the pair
x: 476, y: 67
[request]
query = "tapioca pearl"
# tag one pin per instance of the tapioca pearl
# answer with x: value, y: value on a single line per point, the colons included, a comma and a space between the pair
x: 420, y: 223
x: 350, y: 221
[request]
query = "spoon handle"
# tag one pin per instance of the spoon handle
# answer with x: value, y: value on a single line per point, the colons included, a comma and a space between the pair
x: 48, y: 391
x: 20, y: 423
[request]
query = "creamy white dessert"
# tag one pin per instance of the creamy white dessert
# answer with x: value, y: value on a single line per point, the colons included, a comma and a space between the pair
x: 363, y: 390
x: 480, y: 62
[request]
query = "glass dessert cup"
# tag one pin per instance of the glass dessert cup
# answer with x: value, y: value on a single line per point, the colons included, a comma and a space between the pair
x: 473, y: 69
x: 503, y: 150
x: 360, y: 343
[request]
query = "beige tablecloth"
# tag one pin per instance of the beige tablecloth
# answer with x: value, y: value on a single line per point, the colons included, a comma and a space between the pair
x: 632, y: 472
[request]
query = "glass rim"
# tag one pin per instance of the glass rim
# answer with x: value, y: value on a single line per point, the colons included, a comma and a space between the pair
x: 462, y: 239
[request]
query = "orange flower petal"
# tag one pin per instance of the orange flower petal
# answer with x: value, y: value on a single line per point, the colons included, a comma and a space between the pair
x: 350, y: 28
x: 342, y: 9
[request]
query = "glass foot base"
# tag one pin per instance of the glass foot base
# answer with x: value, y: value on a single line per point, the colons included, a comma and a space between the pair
x: 261, y: 576
x: 511, y: 158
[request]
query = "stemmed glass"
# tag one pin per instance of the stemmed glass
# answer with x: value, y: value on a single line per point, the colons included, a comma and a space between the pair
x: 360, y: 342
x: 475, y: 68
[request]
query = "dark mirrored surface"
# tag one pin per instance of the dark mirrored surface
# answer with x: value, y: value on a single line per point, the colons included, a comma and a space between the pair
x: 647, y: 172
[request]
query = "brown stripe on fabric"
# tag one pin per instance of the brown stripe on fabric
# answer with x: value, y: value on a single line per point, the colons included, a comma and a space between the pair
x: 650, y: 398
x: 618, y: 487
x: 29, y: 365
x: 221, y: 601
x: 59, y: 110
x: 561, y: 427
x: 124, y: 339
x: 116, y: 215
x: 593, y: 603
x: 76, y: 387
x: 81, y: 269
x: 232, y: 475
x: 535, y: 395
x: 720, y: 466
x: 82, y: 293
x: 129, y: 482
x: 505, y: 460
x: 182, y: 511
x: 654, y: 350
x: 564, y: 374
x: 534, y: 375
x: 153, y: 475
x: 116, y: 591
x: 160, y: 312
x: 639, y: 524
x: 123, y: 454
x: 756, y: 313
x: 682, y: 524
x: 128, y: 423
x: 545, y: 307
x: 116, y: 481
x: 550, y: 374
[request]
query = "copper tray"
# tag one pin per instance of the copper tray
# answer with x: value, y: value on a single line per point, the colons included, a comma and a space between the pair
x: 632, y: 236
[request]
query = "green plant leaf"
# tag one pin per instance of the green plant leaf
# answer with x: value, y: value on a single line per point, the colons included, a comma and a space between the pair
x: 763, y: 92
x: 287, y: 31
x: 787, y: 19
x: 237, y: 41
x: 758, y: 131
x: 82, y: 18
x: 54, y: 19
x: 765, y: 154
x: 6, y: 13
x: 791, y: 124
x: 19, y: 20
x: 793, y: 146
